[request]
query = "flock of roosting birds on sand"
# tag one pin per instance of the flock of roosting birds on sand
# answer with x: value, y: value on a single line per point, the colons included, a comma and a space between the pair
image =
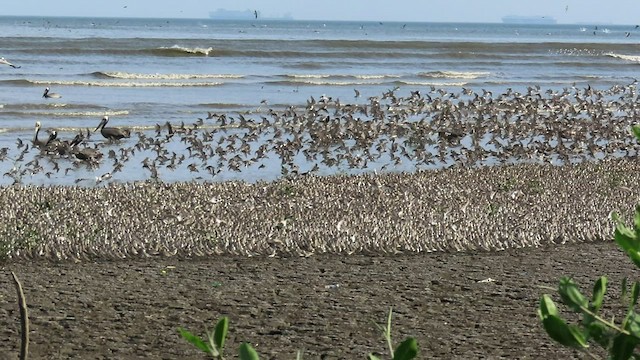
x: 466, y: 207
x: 390, y: 132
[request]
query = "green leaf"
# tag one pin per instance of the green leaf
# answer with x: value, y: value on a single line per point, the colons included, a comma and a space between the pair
x: 221, y: 332
x: 407, y: 350
x: 246, y: 352
x: 547, y: 307
x: 636, y: 131
x: 635, y: 291
x: 623, y: 346
x: 566, y: 335
x: 372, y: 357
x: 627, y: 233
x: 599, y: 289
x: 600, y: 333
x: 632, y: 324
x: 571, y: 295
x: 627, y: 241
x: 195, y: 340
x: 636, y: 221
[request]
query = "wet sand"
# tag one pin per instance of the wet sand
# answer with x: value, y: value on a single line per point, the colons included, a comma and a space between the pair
x: 325, y: 305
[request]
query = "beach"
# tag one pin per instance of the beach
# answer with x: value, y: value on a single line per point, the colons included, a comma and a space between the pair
x: 303, y: 178
x: 465, y: 305
x: 461, y: 255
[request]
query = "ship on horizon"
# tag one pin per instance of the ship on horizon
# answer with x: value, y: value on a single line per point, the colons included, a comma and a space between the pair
x: 515, y: 19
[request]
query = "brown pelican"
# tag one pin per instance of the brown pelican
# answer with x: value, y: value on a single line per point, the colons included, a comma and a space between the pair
x: 42, y: 143
x: 112, y: 133
x: 50, y: 95
x: 4, y: 61
x: 87, y: 153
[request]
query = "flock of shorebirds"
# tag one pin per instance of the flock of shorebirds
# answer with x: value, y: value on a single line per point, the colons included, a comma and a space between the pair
x: 434, y: 129
x: 468, y: 207
x: 461, y: 209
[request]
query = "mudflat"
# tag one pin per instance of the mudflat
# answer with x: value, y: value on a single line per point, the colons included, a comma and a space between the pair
x: 458, y: 305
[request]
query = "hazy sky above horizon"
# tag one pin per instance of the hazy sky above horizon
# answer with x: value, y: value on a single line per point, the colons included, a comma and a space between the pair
x: 568, y: 11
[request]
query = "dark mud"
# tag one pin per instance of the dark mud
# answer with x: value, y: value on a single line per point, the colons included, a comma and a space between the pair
x: 325, y: 305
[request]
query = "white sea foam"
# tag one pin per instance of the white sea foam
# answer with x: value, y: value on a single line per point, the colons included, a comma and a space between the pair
x: 432, y: 83
x: 78, y: 113
x: 330, y: 83
x: 125, y: 83
x: 377, y: 76
x: 196, y: 50
x: 324, y: 76
x: 308, y: 76
x: 127, y: 75
x: 634, y: 58
x: 454, y: 74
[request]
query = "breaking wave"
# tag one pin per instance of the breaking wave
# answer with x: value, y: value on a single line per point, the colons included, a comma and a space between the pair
x: 124, y: 83
x: 157, y: 76
x: 453, y: 74
x: 633, y: 58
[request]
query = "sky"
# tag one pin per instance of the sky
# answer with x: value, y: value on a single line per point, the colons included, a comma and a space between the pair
x: 569, y: 11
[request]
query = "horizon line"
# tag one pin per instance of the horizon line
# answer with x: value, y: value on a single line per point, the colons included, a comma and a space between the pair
x: 269, y: 19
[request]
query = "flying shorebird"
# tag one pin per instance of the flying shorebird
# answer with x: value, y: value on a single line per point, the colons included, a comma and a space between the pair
x: 50, y: 95
x: 112, y: 133
x: 4, y: 61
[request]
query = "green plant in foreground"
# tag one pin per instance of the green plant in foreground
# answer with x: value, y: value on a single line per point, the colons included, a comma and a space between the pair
x: 619, y: 340
x: 408, y: 349
x: 214, y: 343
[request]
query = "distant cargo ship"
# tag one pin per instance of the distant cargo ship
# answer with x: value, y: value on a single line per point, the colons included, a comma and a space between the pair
x: 513, y: 19
x: 224, y: 14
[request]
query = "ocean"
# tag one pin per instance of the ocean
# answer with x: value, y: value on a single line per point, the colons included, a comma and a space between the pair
x: 144, y: 72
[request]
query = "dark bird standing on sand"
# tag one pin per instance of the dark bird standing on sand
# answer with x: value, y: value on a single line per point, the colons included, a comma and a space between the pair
x: 63, y: 147
x: 50, y: 95
x: 42, y: 143
x: 112, y: 133
x: 87, y: 153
